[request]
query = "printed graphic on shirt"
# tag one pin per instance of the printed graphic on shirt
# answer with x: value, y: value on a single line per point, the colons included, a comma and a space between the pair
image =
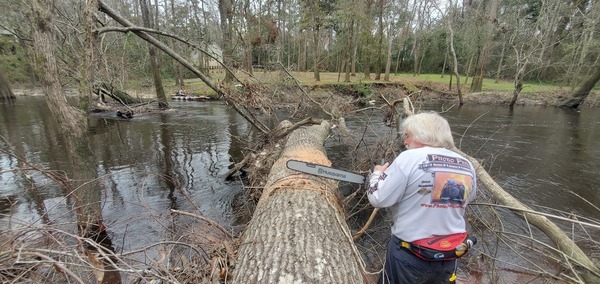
x: 424, y: 191
x: 452, y: 179
x: 440, y: 161
x: 451, y: 188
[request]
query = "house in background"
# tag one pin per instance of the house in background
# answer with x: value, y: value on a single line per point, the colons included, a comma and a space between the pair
x: 212, y: 62
x: 8, y: 42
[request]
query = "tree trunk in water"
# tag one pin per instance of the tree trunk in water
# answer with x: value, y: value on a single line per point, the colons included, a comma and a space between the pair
x: 581, y: 94
x: 518, y: 84
x: 83, y: 184
x: 68, y: 118
x: 5, y: 92
x: 298, y: 232
x: 117, y: 95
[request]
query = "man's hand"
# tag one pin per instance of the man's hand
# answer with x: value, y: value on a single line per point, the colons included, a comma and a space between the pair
x: 381, y: 168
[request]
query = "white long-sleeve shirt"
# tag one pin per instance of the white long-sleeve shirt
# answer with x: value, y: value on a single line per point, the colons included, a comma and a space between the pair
x: 427, y: 190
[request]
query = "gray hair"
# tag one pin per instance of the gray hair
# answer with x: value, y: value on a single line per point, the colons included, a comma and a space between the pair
x: 429, y: 128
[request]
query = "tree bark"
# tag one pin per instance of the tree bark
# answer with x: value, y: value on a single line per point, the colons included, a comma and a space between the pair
x: 298, y: 232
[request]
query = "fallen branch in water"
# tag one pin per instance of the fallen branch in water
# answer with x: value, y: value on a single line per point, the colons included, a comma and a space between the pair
x: 562, y: 240
x: 539, y: 213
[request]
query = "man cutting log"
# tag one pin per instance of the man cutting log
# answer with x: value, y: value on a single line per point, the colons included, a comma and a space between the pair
x: 427, y: 188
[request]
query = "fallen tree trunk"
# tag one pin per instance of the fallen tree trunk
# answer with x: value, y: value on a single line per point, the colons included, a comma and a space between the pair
x: 298, y: 232
x: 578, y: 98
x: 122, y: 97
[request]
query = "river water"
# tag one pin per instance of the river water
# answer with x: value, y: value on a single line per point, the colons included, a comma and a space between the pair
x: 544, y: 156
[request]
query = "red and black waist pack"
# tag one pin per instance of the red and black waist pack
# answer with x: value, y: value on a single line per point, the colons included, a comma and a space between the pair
x: 438, y: 248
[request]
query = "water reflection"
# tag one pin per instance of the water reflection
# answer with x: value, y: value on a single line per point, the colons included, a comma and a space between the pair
x: 148, y: 165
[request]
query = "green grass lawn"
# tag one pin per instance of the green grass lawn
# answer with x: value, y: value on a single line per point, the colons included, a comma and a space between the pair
x: 435, y: 81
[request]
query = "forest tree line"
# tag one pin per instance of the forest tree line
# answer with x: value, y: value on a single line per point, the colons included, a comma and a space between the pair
x: 540, y: 40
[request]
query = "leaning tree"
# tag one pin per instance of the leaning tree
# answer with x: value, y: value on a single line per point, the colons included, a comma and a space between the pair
x: 579, y: 96
x: 5, y: 92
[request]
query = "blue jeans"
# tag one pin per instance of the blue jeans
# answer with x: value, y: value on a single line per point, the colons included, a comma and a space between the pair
x: 401, y: 266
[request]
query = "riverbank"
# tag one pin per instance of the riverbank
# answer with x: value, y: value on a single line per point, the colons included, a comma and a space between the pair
x: 429, y: 87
